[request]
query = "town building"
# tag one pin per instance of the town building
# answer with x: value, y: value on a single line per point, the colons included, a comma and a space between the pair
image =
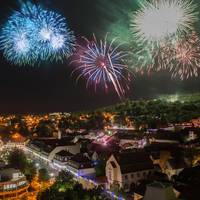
x: 81, y: 165
x: 61, y: 158
x: 196, y: 122
x: 13, y: 184
x: 165, y: 136
x: 175, y: 166
x: 15, y: 140
x: 161, y: 191
x: 48, y: 148
x: 1, y: 144
x: 131, y: 140
x: 125, y: 170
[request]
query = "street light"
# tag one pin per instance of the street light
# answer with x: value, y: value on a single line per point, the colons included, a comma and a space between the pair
x: 37, y: 164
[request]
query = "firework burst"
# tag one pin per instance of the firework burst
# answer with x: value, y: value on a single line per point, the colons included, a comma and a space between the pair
x: 33, y: 34
x: 15, y: 41
x: 53, y: 37
x: 102, y: 65
x: 181, y: 57
x: 159, y: 20
x: 186, y: 59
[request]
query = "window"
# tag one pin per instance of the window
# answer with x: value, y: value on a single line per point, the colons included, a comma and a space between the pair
x: 126, y: 176
x: 144, y: 173
x: 126, y: 187
x: 110, y: 174
x: 21, y: 183
x: 149, y: 172
x: 132, y: 175
x: 138, y: 175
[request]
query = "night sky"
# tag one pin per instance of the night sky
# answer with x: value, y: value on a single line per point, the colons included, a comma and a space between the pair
x: 50, y: 87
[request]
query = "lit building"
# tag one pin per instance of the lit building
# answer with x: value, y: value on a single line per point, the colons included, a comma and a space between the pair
x: 81, y: 164
x: 124, y: 170
x: 61, y: 158
x: 131, y: 140
x: 48, y: 148
x: 1, y: 143
x: 15, y: 140
x: 13, y: 184
x: 161, y: 191
x: 196, y: 122
x: 174, y: 167
x: 157, y: 190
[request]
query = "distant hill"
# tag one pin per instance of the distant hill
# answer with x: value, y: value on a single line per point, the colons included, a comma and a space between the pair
x: 169, y: 99
x: 180, y: 97
x: 164, y: 109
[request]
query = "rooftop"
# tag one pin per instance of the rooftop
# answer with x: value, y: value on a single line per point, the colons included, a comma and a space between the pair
x: 64, y: 153
x: 160, y: 184
x: 134, y: 161
x: 178, y: 163
x: 49, y: 144
x: 80, y: 161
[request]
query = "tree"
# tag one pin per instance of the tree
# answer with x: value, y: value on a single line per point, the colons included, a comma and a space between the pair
x: 64, y: 176
x: 44, y: 128
x: 61, y: 191
x: 43, y: 175
x: 17, y: 159
x: 30, y: 171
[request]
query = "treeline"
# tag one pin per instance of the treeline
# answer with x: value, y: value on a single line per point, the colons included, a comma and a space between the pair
x: 142, y: 114
x: 156, y: 112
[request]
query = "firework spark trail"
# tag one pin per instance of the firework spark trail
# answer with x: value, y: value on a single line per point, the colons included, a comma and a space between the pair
x: 101, y: 64
x: 116, y: 83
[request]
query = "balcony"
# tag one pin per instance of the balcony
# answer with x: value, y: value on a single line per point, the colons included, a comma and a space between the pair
x: 13, y: 189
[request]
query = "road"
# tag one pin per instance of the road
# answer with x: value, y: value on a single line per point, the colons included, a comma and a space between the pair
x: 42, y: 162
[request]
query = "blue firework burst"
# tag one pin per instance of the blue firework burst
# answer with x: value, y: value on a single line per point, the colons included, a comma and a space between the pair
x: 52, y: 35
x: 15, y: 40
x: 34, y: 34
